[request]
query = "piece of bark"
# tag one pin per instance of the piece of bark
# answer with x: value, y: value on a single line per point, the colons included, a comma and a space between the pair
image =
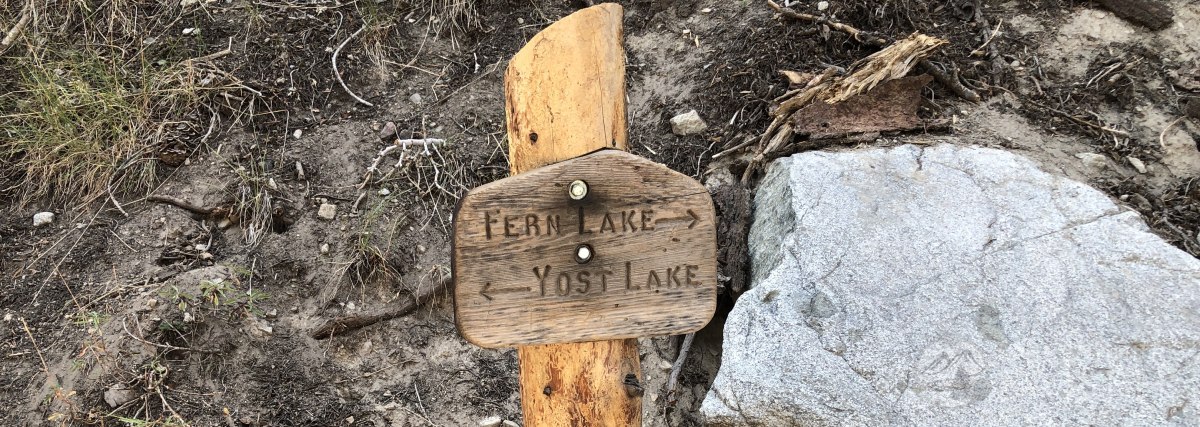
x: 890, y: 106
x: 1152, y: 14
x: 732, y: 201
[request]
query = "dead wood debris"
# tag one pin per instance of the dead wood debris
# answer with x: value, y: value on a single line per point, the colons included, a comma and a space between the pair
x: 183, y: 204
x: 345, y: 324
x: 949, y: 80
x: 677, y: 368
x: 11, y: 36
x: 1152, y: 14
x: 893, y: 62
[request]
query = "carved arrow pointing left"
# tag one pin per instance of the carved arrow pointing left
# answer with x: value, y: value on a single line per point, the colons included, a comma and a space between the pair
x: 488, y: 292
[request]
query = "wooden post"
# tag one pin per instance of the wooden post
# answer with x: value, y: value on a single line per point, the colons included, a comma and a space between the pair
x: 565, y: 97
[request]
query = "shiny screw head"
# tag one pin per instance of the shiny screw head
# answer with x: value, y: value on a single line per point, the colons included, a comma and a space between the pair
x: 577, y: 190
x: 584, y: 253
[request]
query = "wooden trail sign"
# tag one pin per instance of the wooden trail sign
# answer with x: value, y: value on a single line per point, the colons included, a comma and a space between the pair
x: 565, y: 98
x: 630, y: 253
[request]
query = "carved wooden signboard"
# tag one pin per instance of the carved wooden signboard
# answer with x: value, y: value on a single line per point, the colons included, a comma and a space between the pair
x: 604, y: 246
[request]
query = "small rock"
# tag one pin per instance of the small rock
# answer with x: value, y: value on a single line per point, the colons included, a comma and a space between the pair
x: 350, y: 420
x: 327, y: 211
x: 389, y: 130
x: 297, y: 133
x: 415, y: 98
x: 384, y: 191
x: 272, y: 314
x: 1093, y: 160
x: 688, y: 123
x: 261, y: 328
x: 664, y: 365
x: 822, y: 5
x: 324, y: 248
x: 187, y: 317
x: 146, y: 305
x: 295, y: 309
x: 1137, y: 164
x: 509, y: 423
x: 706, y: 10
x: 118, y: 395
x: 492, y: 421
x: 43, y: 218
x: 189, y: 31
x: 520, y: 20
x: 8, y: 317
x: 421, y: 249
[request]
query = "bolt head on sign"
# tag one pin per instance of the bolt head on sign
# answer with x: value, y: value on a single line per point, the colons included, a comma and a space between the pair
x: 603, y: 246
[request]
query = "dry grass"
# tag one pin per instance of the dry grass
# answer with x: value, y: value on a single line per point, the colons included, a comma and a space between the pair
x: 86, y: 112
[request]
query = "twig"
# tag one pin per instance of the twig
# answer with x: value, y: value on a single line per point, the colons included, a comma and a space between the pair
x: 1163, y: 135
x: 35, y: 347
x: 215, y: 55
x: 26, y: 14
x: 403, y: 144
x: 673, y: 379
x: 338, y: 74
x: 345, y: 324
x: 1080, y: 121
x: 116, y: 204
x: 950, y: 82
x: 181, y: 204
x: 979, y: 50
x: 749, y: 140
x: 859, y: 35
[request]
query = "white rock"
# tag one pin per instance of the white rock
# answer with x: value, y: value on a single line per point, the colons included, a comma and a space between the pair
x: 327, y: 211
x: 324, y: 248
x: 188, y: 31
x: 510, y: 423
x: 492, y: 421
x: 822, y: 5
x: 43, y: 218
x: 688, y: 123
x: 415, y: 98
x: 118, y: 395
x: 384, y: 191
x: 421, y: 249
x: 664, y: 365
x: 948, y: 285
x: 297, y: 133
x: 1137, y: 164
x: 706, y: 10
x: 188, y: 318
x: 8, y: 317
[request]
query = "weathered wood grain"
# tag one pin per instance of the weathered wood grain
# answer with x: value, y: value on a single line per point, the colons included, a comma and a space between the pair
x: 564, y: 91
x: 652, y: 231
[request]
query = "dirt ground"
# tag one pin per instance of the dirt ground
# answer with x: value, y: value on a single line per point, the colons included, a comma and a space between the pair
x: 174, y: 317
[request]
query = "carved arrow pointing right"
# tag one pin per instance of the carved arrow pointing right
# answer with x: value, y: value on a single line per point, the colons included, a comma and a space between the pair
x: 690, y: 216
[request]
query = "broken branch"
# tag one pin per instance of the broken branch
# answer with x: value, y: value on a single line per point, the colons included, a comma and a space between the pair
x: 338, y: 74
x: 182, y: 204
x: 345, y: 324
